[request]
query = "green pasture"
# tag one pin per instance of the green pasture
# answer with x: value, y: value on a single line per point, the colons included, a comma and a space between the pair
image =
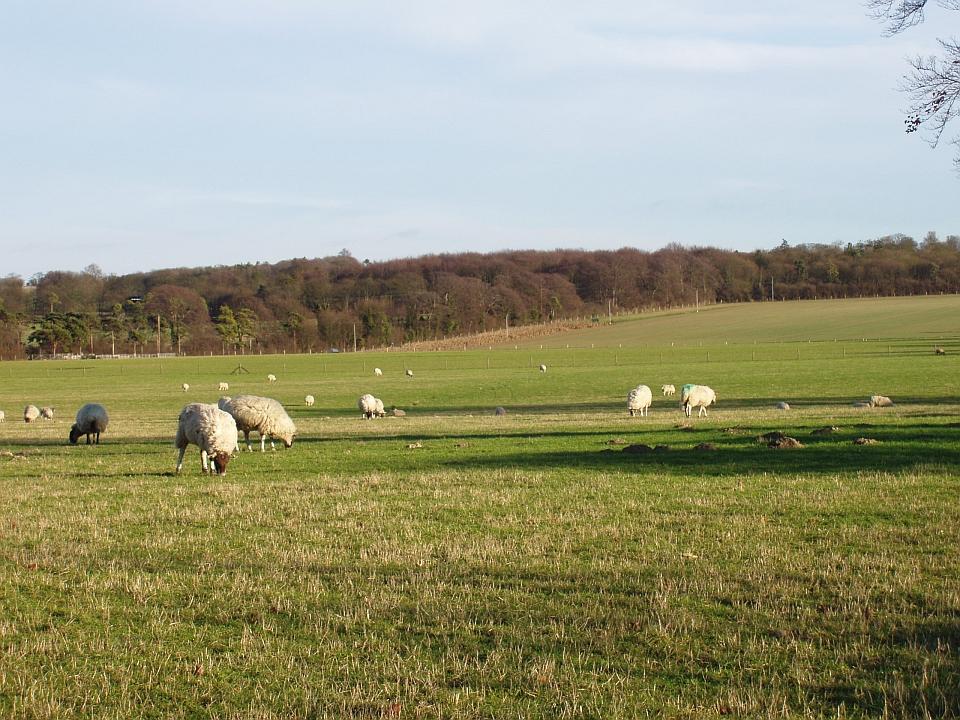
x: 929, y: 319
x: 454, y: 564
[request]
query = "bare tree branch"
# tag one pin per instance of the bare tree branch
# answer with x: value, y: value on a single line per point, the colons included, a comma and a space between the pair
x: 900, y: 14
x: 934, y: 83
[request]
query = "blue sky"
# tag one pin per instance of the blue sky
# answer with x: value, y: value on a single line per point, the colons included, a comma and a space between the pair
x: 142, y: 134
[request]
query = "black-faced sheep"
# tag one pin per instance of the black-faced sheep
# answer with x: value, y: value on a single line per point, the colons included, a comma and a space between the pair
x: 92, y: 419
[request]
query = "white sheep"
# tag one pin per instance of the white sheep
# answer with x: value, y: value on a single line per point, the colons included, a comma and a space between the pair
x: 185, y: 387
x: 30, y: 413
x: 699, y: 396
x: 308, y: 400
x: 378, y: 372
x: 368, y: 405
x: 271, y: 378
x: 409, y: 373
x: 223, y: 387
x: 92, y: 419
x: 3, y: 416
x: 639, y: 400
x: 212, y: 430
x: 543, y: 368
x: 668, y: 390
x: 880, y: 401
x: 46, y: 413
x: 263, y: 414
x: 379, y: 409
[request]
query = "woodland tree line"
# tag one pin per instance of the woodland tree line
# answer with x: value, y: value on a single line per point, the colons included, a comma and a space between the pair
x: 314, y: 305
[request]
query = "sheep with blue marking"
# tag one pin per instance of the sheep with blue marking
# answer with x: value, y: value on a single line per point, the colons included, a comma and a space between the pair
x: 696, y: 396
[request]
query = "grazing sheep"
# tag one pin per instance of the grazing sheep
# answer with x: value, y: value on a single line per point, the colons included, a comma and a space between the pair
x: 877, y: 401
x: 308, y: 400
x: 212, y: 430
x: 378, y: 372
x: 223, y: 387
x: 379, y: 411
x: 30, y: 413
x: 499, y: 411
x: 266, y: 416
x: 368, y: 405
x: 543, y: 368
x: 3, y: 416
x: 668, y: 390
x: 409, y: 373
x: 46, y: 413
x: 639, y: 400
x: 782, y: 405
x: 939, y: 351
x: 699, y: 396
x: 271, y: 378
x: 185, y: 387
x: 92, y: 419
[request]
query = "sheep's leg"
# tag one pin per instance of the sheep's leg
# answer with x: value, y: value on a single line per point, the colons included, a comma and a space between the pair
x: 88, y: 439
x: 703, y: 411
x: 263, y: 442
x: 272, y: 446
x: 246, y: 437
x: 204, y: 461
x: 180, y: 459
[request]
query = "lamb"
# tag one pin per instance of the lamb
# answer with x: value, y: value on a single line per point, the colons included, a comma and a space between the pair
x: 700, y: 396
x: 368, y: 405
x: 668, y: 390
x: 212, y: 430
x: 379, y: 411
x: 271, y: 378
x: 185, y: 387
x: 639, y: 400
x: 543, y: 368
x: 308, y: 400
x: 92, y: 419
x: 378, y: 372
x: 46, y: 413
x: 223, y: 387
x: 266, y: 416
x: 30, y: 413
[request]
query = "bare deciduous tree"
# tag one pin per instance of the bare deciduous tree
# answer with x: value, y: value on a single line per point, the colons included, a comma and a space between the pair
x: 933, y: 84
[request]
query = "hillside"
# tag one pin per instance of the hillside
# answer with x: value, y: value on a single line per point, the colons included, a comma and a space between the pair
x: 933, y: 317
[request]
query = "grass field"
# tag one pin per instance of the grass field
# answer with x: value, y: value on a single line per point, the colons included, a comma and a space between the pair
x: 517, y: 566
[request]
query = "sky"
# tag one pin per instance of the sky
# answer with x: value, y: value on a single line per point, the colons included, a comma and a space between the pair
x: 143, y: 134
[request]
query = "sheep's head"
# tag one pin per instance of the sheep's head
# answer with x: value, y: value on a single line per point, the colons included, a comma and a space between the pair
x: 74, y: 434
x: 288, y: 440
x: 220, y: 461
